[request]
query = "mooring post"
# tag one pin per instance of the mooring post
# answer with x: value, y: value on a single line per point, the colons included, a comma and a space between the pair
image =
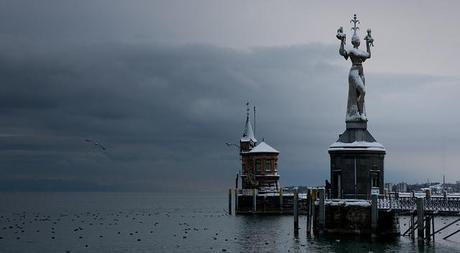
x: 427, y: 219
x: 309, y: 211
x: 236, y: 201
x: 281, y: 201
x: 230, y: 201
x: 428, y: 227
x: 428, y: 194
x: 412, y: 225
x: 421, y: 218
x: 296, y: 210
x: 374, y: 213
x: 322, y: 211
x: 264, y: 204
x: 254, y: 200
x: 314, y: 213
x: 389, y: 198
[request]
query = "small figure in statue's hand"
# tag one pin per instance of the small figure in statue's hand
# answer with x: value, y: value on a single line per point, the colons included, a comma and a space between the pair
x: 369, y: 38
x: 340, y: 35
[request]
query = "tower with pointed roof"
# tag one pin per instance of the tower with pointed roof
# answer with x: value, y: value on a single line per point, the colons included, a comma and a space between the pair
x: 248, y: 140
x: 259, y: 161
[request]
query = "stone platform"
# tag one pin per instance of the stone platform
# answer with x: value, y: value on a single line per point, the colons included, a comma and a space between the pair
x: 354, y: 217
x: 357, y: 163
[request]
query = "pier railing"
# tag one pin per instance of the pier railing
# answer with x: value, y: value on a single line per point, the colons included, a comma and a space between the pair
x: 432, y: 203
x: 252, y: 201
x: 420, y: 207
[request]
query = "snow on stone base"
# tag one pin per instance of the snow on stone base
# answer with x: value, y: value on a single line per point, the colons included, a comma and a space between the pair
x: 357, y: 145
x: 347, y: 202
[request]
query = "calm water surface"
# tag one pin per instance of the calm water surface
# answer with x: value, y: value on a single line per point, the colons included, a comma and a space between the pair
x: 147, y: 222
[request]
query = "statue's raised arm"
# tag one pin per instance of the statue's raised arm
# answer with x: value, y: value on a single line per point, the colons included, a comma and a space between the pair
x: 342, y: 37
x: 369, y: 42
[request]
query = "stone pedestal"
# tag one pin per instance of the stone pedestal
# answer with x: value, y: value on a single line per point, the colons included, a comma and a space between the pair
x: 351, y: 217
x: 357, y: 162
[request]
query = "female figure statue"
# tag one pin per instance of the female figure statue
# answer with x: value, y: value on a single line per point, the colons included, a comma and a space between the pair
x: 357, y: 89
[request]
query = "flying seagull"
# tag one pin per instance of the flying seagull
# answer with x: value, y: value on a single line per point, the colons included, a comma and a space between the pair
x: 100, y: 145
x: 96, y: 144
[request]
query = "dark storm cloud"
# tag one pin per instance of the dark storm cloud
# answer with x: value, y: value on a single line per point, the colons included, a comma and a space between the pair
x: 72, y: 70
x: 165, y: 112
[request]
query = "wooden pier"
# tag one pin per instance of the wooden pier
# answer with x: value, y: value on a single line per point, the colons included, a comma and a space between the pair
x: 250, y: 201
x: 381, y: 211
x: 442, y: 205
x: 422, y: 211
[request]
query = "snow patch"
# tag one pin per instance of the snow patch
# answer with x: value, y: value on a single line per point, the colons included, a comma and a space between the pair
x: 358, y: 145
x: 348, y: 202
x: 263, y: 148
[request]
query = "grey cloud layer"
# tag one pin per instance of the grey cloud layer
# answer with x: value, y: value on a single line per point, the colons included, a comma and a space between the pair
x: 165, y: 112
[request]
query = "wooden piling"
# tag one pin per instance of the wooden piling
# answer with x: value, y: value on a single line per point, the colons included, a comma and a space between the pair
x: 421, y: 218
x: 322, y: 211
x: 309, y: 211
x: 236, y: 201
x: 412, y: 225
x: 254, y: 200
x: 374, y: 213
x: 230, y: 201
x: 314, y: 196
x: 389, y: 198
x: 264, y: 204
x: 281, y: 200
x: 428, y: 194
x: 428, y: 228
x: 296, y: 210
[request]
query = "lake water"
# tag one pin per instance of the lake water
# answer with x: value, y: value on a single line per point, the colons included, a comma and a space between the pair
x: 147, y: 222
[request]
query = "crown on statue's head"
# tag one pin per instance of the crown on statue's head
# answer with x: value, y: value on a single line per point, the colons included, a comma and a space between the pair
x: 355, y: 28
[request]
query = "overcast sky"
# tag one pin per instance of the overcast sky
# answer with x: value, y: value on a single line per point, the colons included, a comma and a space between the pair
x: 162, y: 85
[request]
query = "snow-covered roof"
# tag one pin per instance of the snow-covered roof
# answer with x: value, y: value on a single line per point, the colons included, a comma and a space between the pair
x: 357, y: 145
x: 248, y: 133
x: 263, y: 148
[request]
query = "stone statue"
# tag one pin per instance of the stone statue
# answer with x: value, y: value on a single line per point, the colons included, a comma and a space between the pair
x: 356, y: 110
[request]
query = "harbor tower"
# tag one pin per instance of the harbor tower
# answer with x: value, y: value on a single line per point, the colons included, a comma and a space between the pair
x: 259, y: 162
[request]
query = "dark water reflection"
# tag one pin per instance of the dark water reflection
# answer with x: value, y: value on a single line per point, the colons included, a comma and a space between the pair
x: 146, y: 222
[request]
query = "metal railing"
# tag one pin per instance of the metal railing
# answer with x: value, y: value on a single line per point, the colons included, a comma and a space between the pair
x: 433, y: 203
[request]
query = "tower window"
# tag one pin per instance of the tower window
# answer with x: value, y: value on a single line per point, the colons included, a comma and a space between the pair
x: 268, y: 165
x: 258, y: 166
x: 375, y: 180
